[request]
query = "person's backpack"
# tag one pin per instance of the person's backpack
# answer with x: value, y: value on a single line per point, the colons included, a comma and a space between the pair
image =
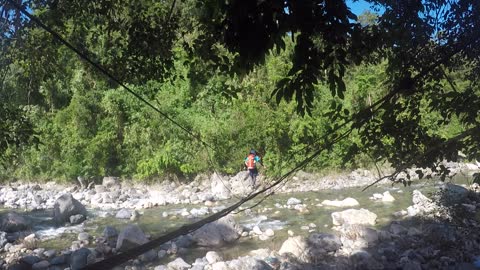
x: 251, y: 161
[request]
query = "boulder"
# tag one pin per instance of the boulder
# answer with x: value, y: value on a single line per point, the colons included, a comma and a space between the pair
x: 355, y: 237
x: 213, y: 257
x: 124, y: 214
x: 244, y: 263
x: 297, y: 246
x: 3, y: 239
x: 110, y: 181
x: 347, y: 202
x: 219, y: 187
x: 354, y: 216
x: 77, y: 219
x: 324, y: 242
x: 421, y: 204
x: 178, y: 264
x: 293, y: 201
x: 387, y: 197
x: 217, y: 233
x: 65, y: 207
x: 13, y: 222
x: 131, y: 236
x: 79, y: 258
x: 454, y: 193
x: 241, y: 183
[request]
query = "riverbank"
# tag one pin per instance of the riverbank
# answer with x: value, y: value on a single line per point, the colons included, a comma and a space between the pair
x: 345, y: 239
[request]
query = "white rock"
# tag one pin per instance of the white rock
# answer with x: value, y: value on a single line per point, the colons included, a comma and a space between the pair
x: 213, y: 257
x: 269, y: 232
x: 293, y: 201
x: 347, y: 202
x: 387, y: 197
x: 296, y: 245
x: 257, y: 230
x: 354, y: 216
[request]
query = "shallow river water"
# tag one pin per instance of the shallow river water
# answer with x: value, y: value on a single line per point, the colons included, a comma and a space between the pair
x: 266, y: 215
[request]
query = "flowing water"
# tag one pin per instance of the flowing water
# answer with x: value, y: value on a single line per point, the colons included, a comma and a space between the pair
x: 266, y: 215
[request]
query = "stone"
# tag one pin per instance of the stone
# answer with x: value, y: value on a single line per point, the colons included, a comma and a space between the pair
x: 66, y: 206
x: 148, y: 256
x: 297, y: 246
x: 293, y: 201
x: 13, y: 222
x: 269, y: 232
x: 160, y: 267
x: 220, y: 266
x: 77, y: 219
x: 421, y: 204
x: 355, y: 237
x: 124, y: 214
x: 3, y: 239
x: 62, y: 259
x: 219, y: 187
x: 50, y: 253
x: 79, y: 258
x: 42, y: 265
x: 213, y: 257
x: 161, y: 254
x: 131, y: 236
x: 257, y: 230
x: 354, y: 216
x: 454, y: 193
x: 30, y: 259
x: 100, y: 188
x: 324, y: 241
x: 178, y: 264
x: 347, y: 202
x: 397, y: 229
x: 387, y: 197
x: 110, y: 181
x: 217, y: 233
x: 83, y: 236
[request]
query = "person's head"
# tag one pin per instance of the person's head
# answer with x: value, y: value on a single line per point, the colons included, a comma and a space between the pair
x: 253, y: 152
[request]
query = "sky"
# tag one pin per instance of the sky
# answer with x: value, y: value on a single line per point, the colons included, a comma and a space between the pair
x: 358, y: 7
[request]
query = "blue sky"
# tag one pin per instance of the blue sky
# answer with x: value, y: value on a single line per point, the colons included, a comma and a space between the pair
x: 358, y: 7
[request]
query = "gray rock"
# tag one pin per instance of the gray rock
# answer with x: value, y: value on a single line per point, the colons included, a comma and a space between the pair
x: 124, y: 214
x: 293, y: 201
x: 83, y: 236
x: 13, y: 222
x: 219, y: 187
x: 79, y: 258
x: 161, y: 254
x: 148, y: 256
x: 178, y: 264
x: 324, y: 241
x: 50, y: 253
x: 77, y: 219
x: 184, y: 241
x: 454, y: 193
x: 213, y: 257
x: 30, y: 260
x: 130, y: 237
x: 3, y: 239
x: 100, y: 188
x: 110, y: 181
x: 160, y: 267
x: 20, y: 266
x: 217, y: 233
x: 62, y: 259
x: 67, y: 206
x: 42, y: 265
x: 354, y: 216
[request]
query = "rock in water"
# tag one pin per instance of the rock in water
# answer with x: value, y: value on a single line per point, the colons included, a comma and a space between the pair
x: 354, y: 216
x: 217, y: 233
x: 347, y: 202
x: 130, y: 237
x: 13, y: 222
x: 67, y: 206
x: 297, y: 246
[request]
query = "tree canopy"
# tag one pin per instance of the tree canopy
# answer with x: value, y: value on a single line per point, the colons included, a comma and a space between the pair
x: 402, y: 84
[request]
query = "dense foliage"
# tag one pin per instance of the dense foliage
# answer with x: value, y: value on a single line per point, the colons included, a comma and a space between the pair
x: 283, y: 77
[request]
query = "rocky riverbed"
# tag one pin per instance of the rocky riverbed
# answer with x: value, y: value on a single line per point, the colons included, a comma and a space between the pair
x: 435, y: 232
